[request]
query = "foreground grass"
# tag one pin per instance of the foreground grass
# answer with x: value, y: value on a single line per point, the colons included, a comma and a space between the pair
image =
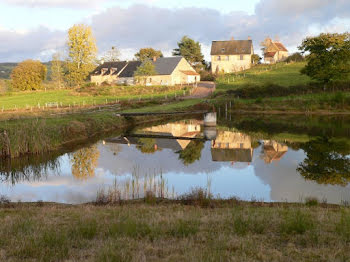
x: 169, y: 231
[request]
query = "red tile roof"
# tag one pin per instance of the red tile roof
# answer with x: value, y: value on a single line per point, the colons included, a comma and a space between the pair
x: 280, y: 46
x: 190, y: 73
x: 270, y: 54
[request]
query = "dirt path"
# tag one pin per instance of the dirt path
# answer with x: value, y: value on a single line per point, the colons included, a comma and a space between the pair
x: 204, y: 89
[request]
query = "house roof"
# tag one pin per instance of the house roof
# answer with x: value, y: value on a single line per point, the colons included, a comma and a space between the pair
x: 166, y: 65
x: 280, y: 46
x: 109, y: 65
x: 190, y: 73
x: 235, y: 155
x: 270, y: 54
x: 130, y: 69
x: 232, y: 47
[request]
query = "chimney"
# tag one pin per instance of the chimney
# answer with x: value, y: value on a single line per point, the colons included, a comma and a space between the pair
x: 249, y: 38
x: 232, y: 38
x: 154, y: 59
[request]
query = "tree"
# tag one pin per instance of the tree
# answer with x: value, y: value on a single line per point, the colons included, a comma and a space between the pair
x: 329, y: 57
x: 296, y: 57
x: 192, y: 152
x: 82, y: 53
x: 148, y: 53
x: 148, y: 146
x: 145, y: 70
x: 191, y: 51
x: 28, y: 75
x: 57, y: 70
x: 256, y: 59
x: 327, y: 161
x: 111, y: 55
x: 84, y: 162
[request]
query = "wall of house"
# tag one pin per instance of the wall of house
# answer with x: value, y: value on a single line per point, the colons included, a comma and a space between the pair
x: 159, y: 80
x: 179, y: 77
x: 99, y: 79
x: 232, y: 140
x: 231, y: 64
x: 282, y: 55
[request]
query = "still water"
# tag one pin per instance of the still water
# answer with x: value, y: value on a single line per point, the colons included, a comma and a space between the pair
x: 265, y: 158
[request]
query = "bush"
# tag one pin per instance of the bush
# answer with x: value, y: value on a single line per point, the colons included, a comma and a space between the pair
x: 296, y: 57
x: 297, y: 223
x: 207, y: 76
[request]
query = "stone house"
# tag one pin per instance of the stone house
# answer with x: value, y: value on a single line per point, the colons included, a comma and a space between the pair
x: 274, y: 51
x: 231, y: 56
x: 170, y: 71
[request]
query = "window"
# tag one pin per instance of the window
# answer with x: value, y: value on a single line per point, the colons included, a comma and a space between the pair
x: 227, y: 58
x: 241, y: 145
x: 222, y: 50
x: 150, y: 80
x: 219, y: 58
x: 241, y: 57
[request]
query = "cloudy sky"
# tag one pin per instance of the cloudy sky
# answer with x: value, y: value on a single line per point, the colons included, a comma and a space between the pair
x: 38, y: 28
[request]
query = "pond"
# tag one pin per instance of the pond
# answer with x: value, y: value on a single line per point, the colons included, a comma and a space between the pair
x: 262, y: 158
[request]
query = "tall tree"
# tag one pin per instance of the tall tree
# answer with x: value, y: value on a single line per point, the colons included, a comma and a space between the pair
x: 329, y: 57
x: 57, y: 70
x: 82, y: 53
x: 111, y: 55
x: 191, y: 51
x: 28, y: 75
x: 148, y: 53
x: 144, y: 71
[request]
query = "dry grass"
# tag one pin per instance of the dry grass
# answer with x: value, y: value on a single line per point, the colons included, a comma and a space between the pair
x: 169, y: 231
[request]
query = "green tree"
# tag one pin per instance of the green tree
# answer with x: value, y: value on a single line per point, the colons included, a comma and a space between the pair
x: 256, y: 59
x: 327, y: 161
x: 191, y: 51
x: 111, y: 55
x: 28, y: 75
x: 82, y: 53
x: 144, y: 71
x: 57, y: 70
x: 329, y: 57
x: 192, y: 152
x: 148, y: 53
x: 296, y: 57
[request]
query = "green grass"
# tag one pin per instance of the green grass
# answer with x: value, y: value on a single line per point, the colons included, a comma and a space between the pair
x: 28, y: 99
x: 279, y: 74
x: 170, y: 231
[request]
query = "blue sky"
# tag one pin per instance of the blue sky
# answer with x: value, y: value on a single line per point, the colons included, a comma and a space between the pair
x: 37, y: 28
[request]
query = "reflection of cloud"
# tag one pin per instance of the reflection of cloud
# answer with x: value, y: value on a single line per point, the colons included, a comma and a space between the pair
x: 286, y: 183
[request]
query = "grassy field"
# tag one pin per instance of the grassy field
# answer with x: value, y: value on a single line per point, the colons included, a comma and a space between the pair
x: 279, y: 74
x: 172, y: 231
x: 84, y: 97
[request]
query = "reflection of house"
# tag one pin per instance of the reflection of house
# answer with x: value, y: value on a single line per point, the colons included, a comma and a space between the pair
x: 177, y: 129
x: 274, y: 51
x: 231, y: 56
x: 232, y: 146
x: 170, y: 71
x: 273, y: 151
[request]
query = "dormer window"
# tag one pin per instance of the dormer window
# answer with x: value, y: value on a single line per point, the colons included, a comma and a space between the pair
x: 113, y: 70
x: 104, y: 70
x: 222, y: 50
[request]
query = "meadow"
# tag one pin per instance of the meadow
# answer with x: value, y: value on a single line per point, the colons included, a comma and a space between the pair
x: 180, y: 230
x: 81, y: 97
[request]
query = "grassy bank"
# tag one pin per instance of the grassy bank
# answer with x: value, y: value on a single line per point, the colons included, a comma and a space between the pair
x: 175, y: 231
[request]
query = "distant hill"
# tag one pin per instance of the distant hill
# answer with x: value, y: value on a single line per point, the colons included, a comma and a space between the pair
x: 6, y: 69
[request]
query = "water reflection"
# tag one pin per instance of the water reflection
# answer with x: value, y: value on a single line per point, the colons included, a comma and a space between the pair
x: 274, y: 166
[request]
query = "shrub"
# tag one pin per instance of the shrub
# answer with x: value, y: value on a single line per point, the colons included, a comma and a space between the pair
x: 296, y: 223
x: 296, y: 57
x: 197, y: 196
x: 311, y: 201
x: 207, y: 76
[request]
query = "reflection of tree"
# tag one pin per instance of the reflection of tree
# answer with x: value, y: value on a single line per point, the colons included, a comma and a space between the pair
x: 327, y: 162
x: 192, y: 152
x: 84, y: 162
x: 29, y: 168
x: 147, y: 145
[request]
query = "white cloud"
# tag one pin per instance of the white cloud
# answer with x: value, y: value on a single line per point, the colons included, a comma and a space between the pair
x: 56, y: 3
x: 142, y: 25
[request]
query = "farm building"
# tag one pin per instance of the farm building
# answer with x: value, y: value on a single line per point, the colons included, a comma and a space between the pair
x: 274, y: 51
x: 170, y: 71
